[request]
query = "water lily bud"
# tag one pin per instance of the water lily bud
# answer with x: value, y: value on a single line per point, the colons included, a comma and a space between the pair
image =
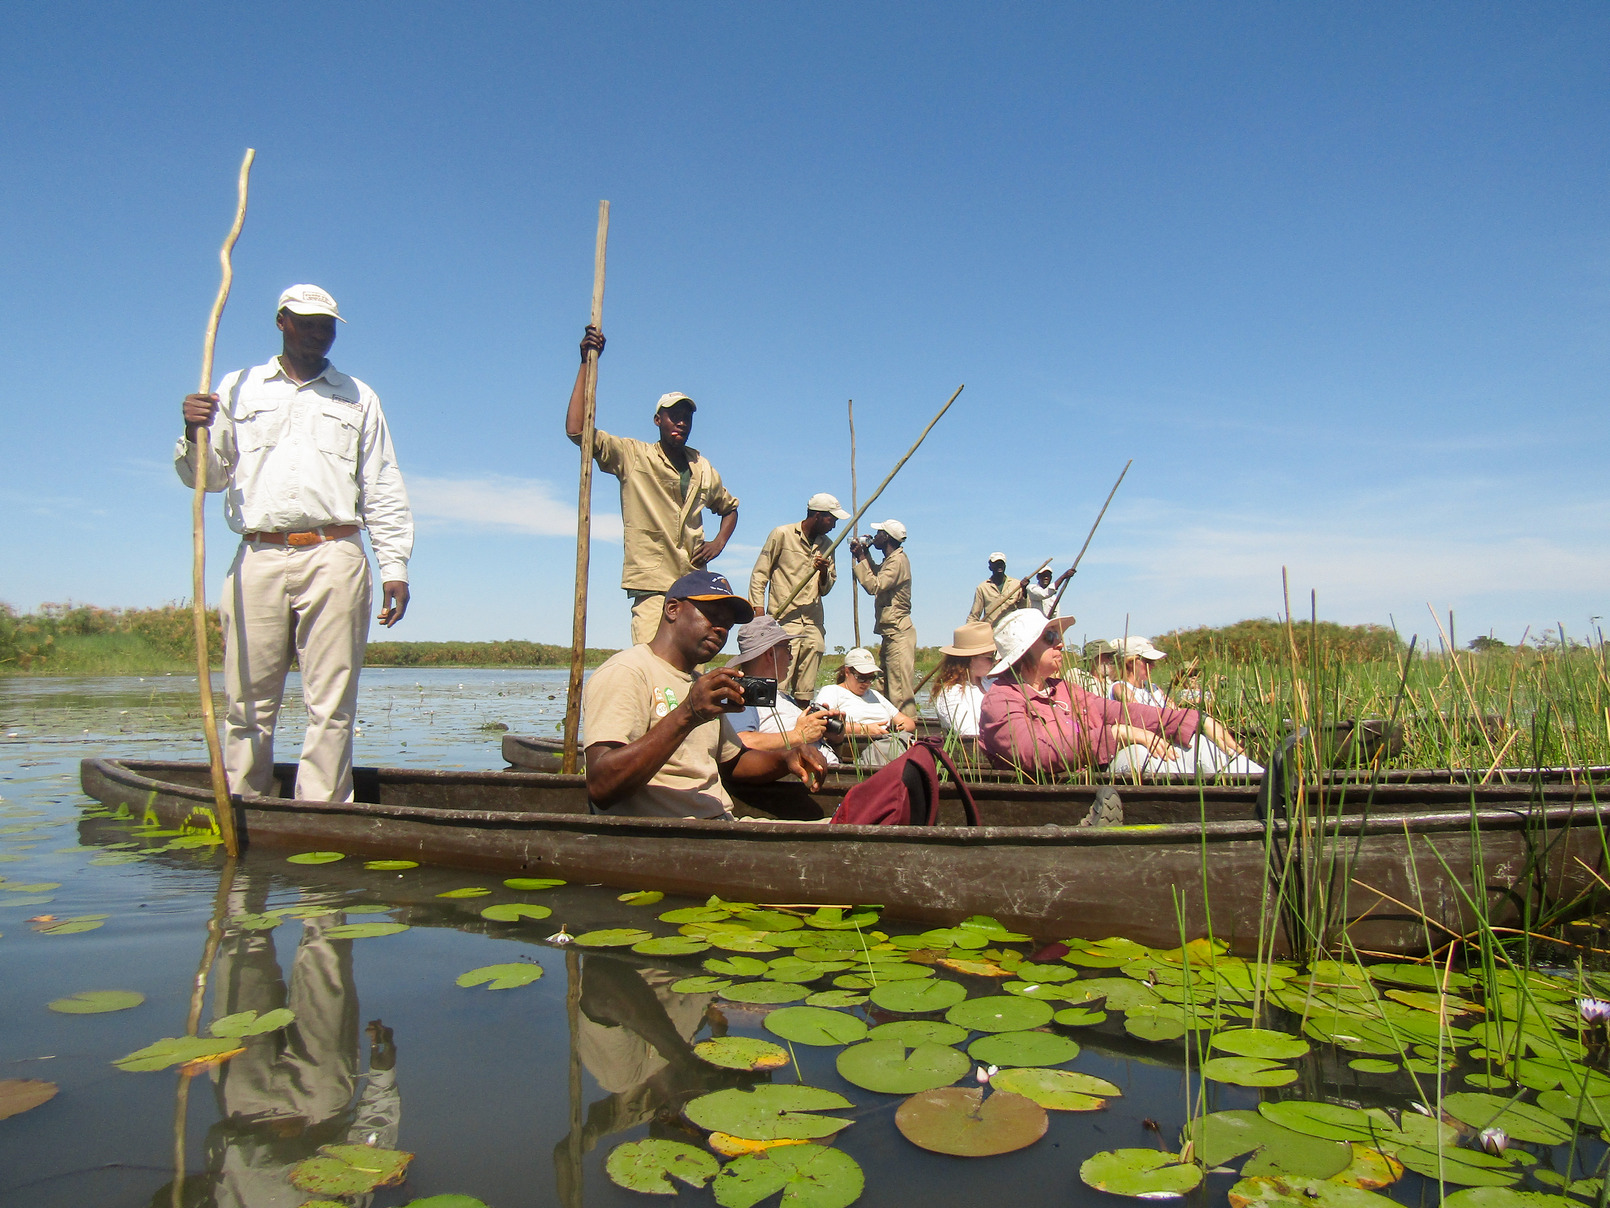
x: 985, y: 1073
x: 561, y: 936
x: 1494, y: 1140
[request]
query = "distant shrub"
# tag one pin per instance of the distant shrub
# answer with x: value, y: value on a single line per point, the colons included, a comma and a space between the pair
x: 1266, y: 641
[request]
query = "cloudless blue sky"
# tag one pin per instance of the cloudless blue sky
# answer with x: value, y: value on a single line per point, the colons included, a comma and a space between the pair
x: 1334, y: 276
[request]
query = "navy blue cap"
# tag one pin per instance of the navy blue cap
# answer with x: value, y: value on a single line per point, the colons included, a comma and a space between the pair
x: 707, y: 585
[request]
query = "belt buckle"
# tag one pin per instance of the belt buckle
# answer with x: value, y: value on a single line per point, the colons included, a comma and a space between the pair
x: 302, y: 539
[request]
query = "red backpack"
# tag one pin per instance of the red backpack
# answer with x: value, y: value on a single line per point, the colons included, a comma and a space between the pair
x: 905, y: 791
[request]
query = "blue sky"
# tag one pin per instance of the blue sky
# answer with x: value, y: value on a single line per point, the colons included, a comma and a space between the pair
x: 1335, y: 277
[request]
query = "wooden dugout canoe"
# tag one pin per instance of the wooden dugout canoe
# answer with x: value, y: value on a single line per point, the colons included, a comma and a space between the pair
x: 1029, y: 864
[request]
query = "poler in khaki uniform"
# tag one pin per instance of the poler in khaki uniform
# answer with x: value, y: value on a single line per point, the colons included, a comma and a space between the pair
x: 995, y: 596
x: 796, y: 556
x: 304, y: 457
x: 890, y: 586
x: 666, y: 488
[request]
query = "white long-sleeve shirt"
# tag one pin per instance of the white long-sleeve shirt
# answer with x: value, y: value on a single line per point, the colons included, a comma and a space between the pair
x: 292, y: 457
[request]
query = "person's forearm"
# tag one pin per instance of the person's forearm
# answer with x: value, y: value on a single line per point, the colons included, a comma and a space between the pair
x: 614, y: 773
x: 759, y: 767
x: 578, y: 398
x: 765, y: 740
x: 1219, y: 736
x: 729, y: 522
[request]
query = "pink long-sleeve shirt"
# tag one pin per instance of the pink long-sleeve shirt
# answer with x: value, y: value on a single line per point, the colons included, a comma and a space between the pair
x: 1062, y: 726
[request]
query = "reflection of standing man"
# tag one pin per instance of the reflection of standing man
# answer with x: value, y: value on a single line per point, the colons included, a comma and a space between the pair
x: 890, y: 586
x: 304, y: 457
x: 665, y: 489
x: 795, y: 561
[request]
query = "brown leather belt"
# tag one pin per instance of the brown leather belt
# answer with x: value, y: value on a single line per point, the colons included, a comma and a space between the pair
x: 330, y: 532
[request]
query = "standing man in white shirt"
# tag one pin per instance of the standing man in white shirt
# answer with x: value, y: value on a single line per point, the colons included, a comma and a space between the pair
x: 304, y: 457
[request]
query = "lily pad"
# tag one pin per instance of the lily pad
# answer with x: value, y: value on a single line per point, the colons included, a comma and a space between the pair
x: 1248, y: 1071
x: 919, y: 1031
x: 889, y: 1067
x: 1260, y: 1042
x: 919, y: 997
x: 700, y: 985
x: 257, y: 922
x: 390, y: 865
x: 769, y: 1112
x: 1320, y: 1193
x: 961, y: 1121
x: 835, y: 998
x: 97, y: 1002
x: 1057, y: 1090
x: 506, y: 976
x: 18, y: 1095
x: 670, y: 945
x: 736, y: 966
x: 1505, y: 1197
x: 1333, y: 1121
x: 1023, y: 1048
x: 1141, y: 1173
x: 1369, y: 1168
x: 176, y: 1050
x: 1000, y: 1013
x: 613, y: 937
x: 816, y: 1026
x: 467, y: 891
x: 649, y: 1166
x: 1159, y: 1023
x: 315, y: 857
x: 642, y: 897
x: 765, y: 992
x: 73, y: 925
x: 741, y: 941
x: 692, y: 914
x: 513, y: 912
x: 250, y: 1023
x: 809, y: 1176
x: 1375, y: 1065
x: 1522, y: 1121
x: 772, y: 920
x: 527, y: 884
x: 1467, y: 1167
x: 1121, y: 993
x: 1079, y: 1017
x: 350, y: 1170
x: 742, y: 1053
x: 364, y: 931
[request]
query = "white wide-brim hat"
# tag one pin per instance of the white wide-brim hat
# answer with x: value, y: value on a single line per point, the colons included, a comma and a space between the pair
x: 1017, y: 631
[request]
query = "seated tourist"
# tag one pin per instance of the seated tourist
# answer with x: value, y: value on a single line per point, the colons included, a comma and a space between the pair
x: 1136, y: 656
x: 1101, y: 657
x: 867, y: 713
x: 958, y: 691
x: 659, y: 736
x: 764, y: 652
x: 1035, y: 722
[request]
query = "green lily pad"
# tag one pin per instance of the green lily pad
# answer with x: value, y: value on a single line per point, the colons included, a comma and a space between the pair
x: 761, y: 993
x: 74, y: 925
x: 1467, y: 1167
x: 466, y: 891
x: 257, y: 922
x: 250, y: 1023
x: 919, y: 997
x: 1355, y: 1034
x: 612, y: 937
x: 889, y: 1067
x: 772, y: 920
x: 1000, y: 1013
x: 741, y: 941
x: 700, y: 985
x: 369, y: 908
x: 33, y: 887
x: 1522, y: 1121
x: 1320, y: 1193
x: 174, y: 1050
x: 1486, y: 1082
x: 390, y: 865
x: 1121, y: 993
x: 315, y: 857
x: 350, y: 1170
x: 770, y: 1112
x: 1141, y: 1173
x: 1505, y: 1197
x: 1427, y: 977
x: 96, y: 1002
x: 670, y: 945
x: 1260, y: 1042
x: 1375, y: 1065
x: 1023, y: 1048
x: 693, y: 914
x: 116, y: 857
x: 501, y: 977
x: 809, y: 1176
x: 835, y: 998
x: 1592, y: 1110
x: 1248, y: 1071
x: 527, y: 884
x: 513, y: 912
x: 430, y: 1201
x: 1332, y: 1121
x: 649, y: 1166
x: 735, y: 966
x: 1057, y: 1090
x: 815, y: 1026
x: 642, y: 897
x: 364, y: 931
x: 1287, y: 1154
x: 1079, y: 1017
x: 961, y: 1121
x: 1159, y: 1023
x: 919, y: 1031
x: 742, y: 1053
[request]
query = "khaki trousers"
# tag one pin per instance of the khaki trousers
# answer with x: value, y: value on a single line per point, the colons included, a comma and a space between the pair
x: 646, y: 612
x: 810, y: 639
x: 899, y: 659
x: 314, y: 602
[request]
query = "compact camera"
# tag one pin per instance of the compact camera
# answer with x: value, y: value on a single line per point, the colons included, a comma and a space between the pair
x: 757, y: 691
x: 835, y: 725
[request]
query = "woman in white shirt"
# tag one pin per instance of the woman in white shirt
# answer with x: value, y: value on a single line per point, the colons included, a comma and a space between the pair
x: 867, y: 713
x: 764, y: 651
x: 958, y: 692
x: 1135, y: 657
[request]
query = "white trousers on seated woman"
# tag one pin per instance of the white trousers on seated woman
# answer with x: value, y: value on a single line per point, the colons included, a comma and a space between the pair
x: 1203, y: 755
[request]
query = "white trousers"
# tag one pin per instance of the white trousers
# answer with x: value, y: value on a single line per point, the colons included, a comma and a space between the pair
x: 1204, y: 754
x: 312, y: 602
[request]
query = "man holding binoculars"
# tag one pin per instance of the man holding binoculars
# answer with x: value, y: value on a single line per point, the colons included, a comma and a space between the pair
x: 889, y: 583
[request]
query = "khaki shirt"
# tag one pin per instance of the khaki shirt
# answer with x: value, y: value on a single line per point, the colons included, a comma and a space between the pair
x: 630, y: 693
x: 891, y: 588
x: 664, y: 528
x: 786, y: 561
x: 989, y: 601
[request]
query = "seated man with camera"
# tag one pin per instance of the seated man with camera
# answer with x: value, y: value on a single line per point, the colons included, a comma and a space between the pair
x: 658, y: 736
x: 770, y: 720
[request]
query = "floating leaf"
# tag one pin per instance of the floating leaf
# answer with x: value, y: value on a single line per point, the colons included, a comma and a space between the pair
x: 891, y: 1068
x: 369, y: 908
x: 315, y: 857
x: 919, y: 1031
x: 809, y: 1176
x: 35, y: 887
x: 513, y: 912
x: 1248, y: 1071
x: 1121, y: 993
x: 1058, y: 1090
x: 975, y: 968
x: 772, y: 920
x: 742, y: 1053
x: 1141, y: 1173
x: 816, y: 1026
x: 1487, y: 1082
x: 741, y: 941
x: 250, y: 1023
x: 691, y: 914
x: 1079, y: 1017
x: 765, y: 992
x: 919, y: 997
x: 41, y: 899
x: 363, y: 931
x: 1428, y: 977
x: 18, y: 1095
x: 1592, y: 1110
x: 429, y: 1201
x: 257, y: 922
x: 700, y: 985
x: 527, y: 884
x: 176, y: 1050
x: 643, y: 897
x: 1320, y: 1193
x: 1333, y: 1121
x: 1023, y: 1048
x: 73, y: 925
x: 736, y: 966
x: 649, y: 1166
x: 1369, y: 1168
x: 1467, y: 1167
x: 1522, y: 1121
x: 1158, y: 1023
x: 1260, y: 1042
x: 350, y: 1170
x: 1504, y: 1197
x: 729, y: 1146
x: 390, y: 865
x: 999, y: 1013
x: 613, y: 937
x: 111, y: 858
x: 1287, y: 1154
x: 769, y: 1111
x: 97, y: 1002
x: 835, y: 998
x: 501, y: 977
x: 467, y: 891
x: 960, y: 1121
x: 670, y: 945
x: 1374, y: 1065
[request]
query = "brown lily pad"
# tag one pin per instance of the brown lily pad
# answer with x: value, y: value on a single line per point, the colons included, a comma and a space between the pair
x: 961, y: 1121
x: 18, y: 1095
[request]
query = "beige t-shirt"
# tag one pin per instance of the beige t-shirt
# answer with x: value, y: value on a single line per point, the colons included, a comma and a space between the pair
x: 629, y: 694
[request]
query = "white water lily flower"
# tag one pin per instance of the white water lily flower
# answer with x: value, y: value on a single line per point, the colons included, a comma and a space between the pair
x: 1420, y: 1107
x: 1494, y: 1140
x: 561, y: 936
x: 1593, y: 1010
x: 1029, y: 989
x: 985, y: 1073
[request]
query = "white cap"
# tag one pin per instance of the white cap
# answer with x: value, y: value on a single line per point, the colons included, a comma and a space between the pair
x: 860, y: 659
x: 997, y: 556
x: 823, y: 502
x: 1017, y: 631
x: 1132, y: 648
x: 672, y: 399
x: 893, y: 527
x: 308, y: 300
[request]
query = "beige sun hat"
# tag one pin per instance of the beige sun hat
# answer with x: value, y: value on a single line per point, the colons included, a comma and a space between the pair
x: 823, y: 502
x: 1138, y: 648
x: 672, y: 399
x: 893, y: 527
x: 975, y: 637
x: 860, y: 659
x: 308, y: 300
x: 1017, y: 631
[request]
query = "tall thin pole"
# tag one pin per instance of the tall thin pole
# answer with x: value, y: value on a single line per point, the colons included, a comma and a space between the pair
x: 584, y: 505
x: 1075, y: 567
x: 198, y: 534
x: 855, y: 596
